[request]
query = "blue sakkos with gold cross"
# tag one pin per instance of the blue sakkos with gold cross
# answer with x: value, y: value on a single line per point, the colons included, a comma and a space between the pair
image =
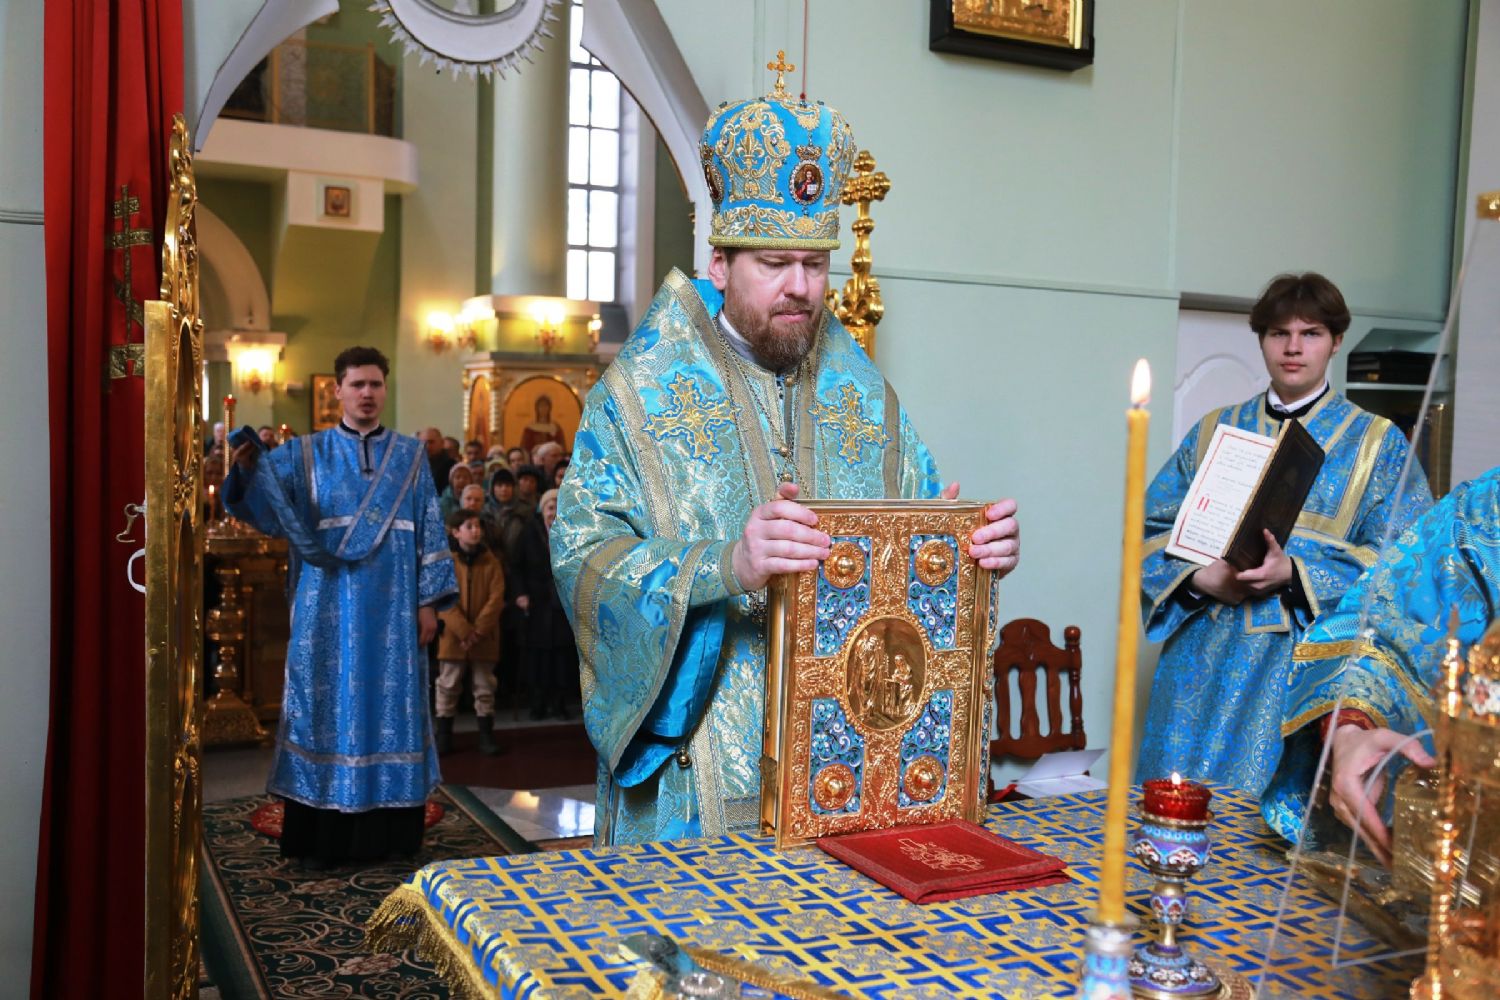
x: 776, y: 166
x: 679, y: 442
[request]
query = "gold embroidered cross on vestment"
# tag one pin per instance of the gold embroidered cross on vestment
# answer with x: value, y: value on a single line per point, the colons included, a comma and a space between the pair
x: 691, y: 414
x: 848, y: 418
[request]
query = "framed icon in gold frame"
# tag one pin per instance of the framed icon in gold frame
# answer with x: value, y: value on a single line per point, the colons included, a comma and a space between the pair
x: 1057, y: 34
x: 326, y: 409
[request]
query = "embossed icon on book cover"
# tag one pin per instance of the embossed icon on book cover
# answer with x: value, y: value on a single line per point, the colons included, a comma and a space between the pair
x: 878, y: 681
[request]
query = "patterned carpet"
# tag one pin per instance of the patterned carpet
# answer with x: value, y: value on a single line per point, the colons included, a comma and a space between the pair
x: 272, y: 929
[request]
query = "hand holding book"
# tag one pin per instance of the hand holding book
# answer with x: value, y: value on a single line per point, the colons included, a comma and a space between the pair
x: 1247, y: 493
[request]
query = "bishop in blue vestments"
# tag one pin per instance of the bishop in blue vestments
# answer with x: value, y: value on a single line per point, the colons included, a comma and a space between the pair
x: 734, y: 396
x: 370, y: 566
x: 1215, y: 708
x: 1377, y: 656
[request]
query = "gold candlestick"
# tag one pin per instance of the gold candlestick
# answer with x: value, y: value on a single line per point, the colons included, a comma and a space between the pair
x: 1116, y: 816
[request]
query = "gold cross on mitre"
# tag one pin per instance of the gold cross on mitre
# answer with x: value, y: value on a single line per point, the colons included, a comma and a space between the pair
x: 781, y: 68
x: 127, y: 358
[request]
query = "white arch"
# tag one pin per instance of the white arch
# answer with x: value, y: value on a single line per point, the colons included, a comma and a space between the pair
x: 228, y: 263
x: 214, y: 46
x: 630, y: 37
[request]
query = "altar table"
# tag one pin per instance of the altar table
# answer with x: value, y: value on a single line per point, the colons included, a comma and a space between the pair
x: 547, y: 926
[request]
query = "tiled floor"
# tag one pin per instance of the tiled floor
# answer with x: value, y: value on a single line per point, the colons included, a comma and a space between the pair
x: 542, y: 814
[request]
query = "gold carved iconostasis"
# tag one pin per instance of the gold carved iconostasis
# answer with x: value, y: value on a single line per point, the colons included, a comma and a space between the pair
x: 520, y: 401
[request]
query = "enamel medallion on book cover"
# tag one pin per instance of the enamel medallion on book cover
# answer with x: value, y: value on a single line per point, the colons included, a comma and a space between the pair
x: 878, y: 680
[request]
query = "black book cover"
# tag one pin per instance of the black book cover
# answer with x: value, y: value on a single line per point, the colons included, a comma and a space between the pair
x: 1284, y: 485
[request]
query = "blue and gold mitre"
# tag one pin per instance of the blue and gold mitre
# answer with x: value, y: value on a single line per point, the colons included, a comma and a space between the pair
x: 776, y: 166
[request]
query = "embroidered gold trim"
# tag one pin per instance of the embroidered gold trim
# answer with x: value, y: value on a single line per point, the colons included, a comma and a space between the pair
x: 892, y: 457
x: 1282, y: 625
x: 1324, y: 708
x: 1355, y: 485
x: 586, y: 602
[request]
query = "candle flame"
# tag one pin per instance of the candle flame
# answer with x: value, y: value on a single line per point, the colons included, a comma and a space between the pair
x: 1140, y: 384
x: 210, y: 489
x: 1176, y: 779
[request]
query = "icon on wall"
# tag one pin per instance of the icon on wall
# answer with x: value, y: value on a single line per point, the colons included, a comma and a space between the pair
x: 338, y: 201
x: 1058, y: 34
x: 327, y: 411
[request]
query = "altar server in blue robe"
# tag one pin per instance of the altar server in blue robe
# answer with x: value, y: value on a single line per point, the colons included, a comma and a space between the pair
x: 370, y: 568
x: 1215, y: 708
x: 1384, y: 662
x: 733, y: 396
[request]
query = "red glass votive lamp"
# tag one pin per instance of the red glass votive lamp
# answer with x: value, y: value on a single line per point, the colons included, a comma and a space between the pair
x: 1174, y: 798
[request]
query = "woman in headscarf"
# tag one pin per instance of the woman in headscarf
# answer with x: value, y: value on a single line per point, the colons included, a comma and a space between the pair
x: 458, y: 477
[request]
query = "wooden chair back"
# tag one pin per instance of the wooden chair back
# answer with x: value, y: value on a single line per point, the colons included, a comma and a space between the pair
x: 1026, y: 648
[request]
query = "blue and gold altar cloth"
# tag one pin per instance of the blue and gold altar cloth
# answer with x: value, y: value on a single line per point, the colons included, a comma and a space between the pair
x: 548, y: 926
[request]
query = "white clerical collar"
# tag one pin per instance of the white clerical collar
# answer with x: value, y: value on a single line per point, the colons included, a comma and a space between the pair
x: 1277, y: 403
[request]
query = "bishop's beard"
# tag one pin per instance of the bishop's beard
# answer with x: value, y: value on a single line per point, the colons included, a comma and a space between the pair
x: 776, y: 346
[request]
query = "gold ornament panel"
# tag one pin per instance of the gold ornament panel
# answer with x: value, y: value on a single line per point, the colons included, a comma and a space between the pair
x: 883, y: 675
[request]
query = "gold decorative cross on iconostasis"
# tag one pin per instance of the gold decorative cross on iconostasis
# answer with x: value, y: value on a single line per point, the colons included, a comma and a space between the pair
x: 781, y: 68
x: 130, y: 357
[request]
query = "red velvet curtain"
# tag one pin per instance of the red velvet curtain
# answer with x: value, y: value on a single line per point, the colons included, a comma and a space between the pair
x: 113, y: 79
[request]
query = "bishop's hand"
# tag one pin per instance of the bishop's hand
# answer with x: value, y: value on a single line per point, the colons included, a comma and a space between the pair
x: 780, y: 537
x: 997, y: 545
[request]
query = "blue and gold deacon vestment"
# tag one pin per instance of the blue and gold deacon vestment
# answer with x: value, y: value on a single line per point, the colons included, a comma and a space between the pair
x: 1215, y: 709
x: 1386, y: 662
x: 367, y: 550
x: 679, y: 441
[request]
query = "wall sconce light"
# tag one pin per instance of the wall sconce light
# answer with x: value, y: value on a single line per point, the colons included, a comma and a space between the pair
x: 596, y: 327
x: 467, y: 325
x: 437, y: 331
x: 549, y: 318
x: 254, y: 368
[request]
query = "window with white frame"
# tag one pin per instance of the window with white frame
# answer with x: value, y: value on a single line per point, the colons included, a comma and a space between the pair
x: 594, y: 187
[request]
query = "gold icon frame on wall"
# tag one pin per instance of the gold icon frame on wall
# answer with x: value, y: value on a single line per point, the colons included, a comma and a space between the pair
x: 1057, y: 35
x: 327, y: 411
x: 519, y: 408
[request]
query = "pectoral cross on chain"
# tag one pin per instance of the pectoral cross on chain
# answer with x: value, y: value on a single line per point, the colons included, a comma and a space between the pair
x: 128, y: 358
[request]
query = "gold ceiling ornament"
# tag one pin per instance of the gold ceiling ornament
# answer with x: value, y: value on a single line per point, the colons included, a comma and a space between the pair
x: 1489, y: 205
x: 470, y: 44
x: 174, y: 593
x: 858, y: 307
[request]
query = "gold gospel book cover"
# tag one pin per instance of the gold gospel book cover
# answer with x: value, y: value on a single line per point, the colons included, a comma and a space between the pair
x: 878, y: 680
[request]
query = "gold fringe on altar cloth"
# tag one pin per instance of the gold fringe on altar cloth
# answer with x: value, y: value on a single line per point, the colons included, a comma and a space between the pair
x: 406, y: 922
